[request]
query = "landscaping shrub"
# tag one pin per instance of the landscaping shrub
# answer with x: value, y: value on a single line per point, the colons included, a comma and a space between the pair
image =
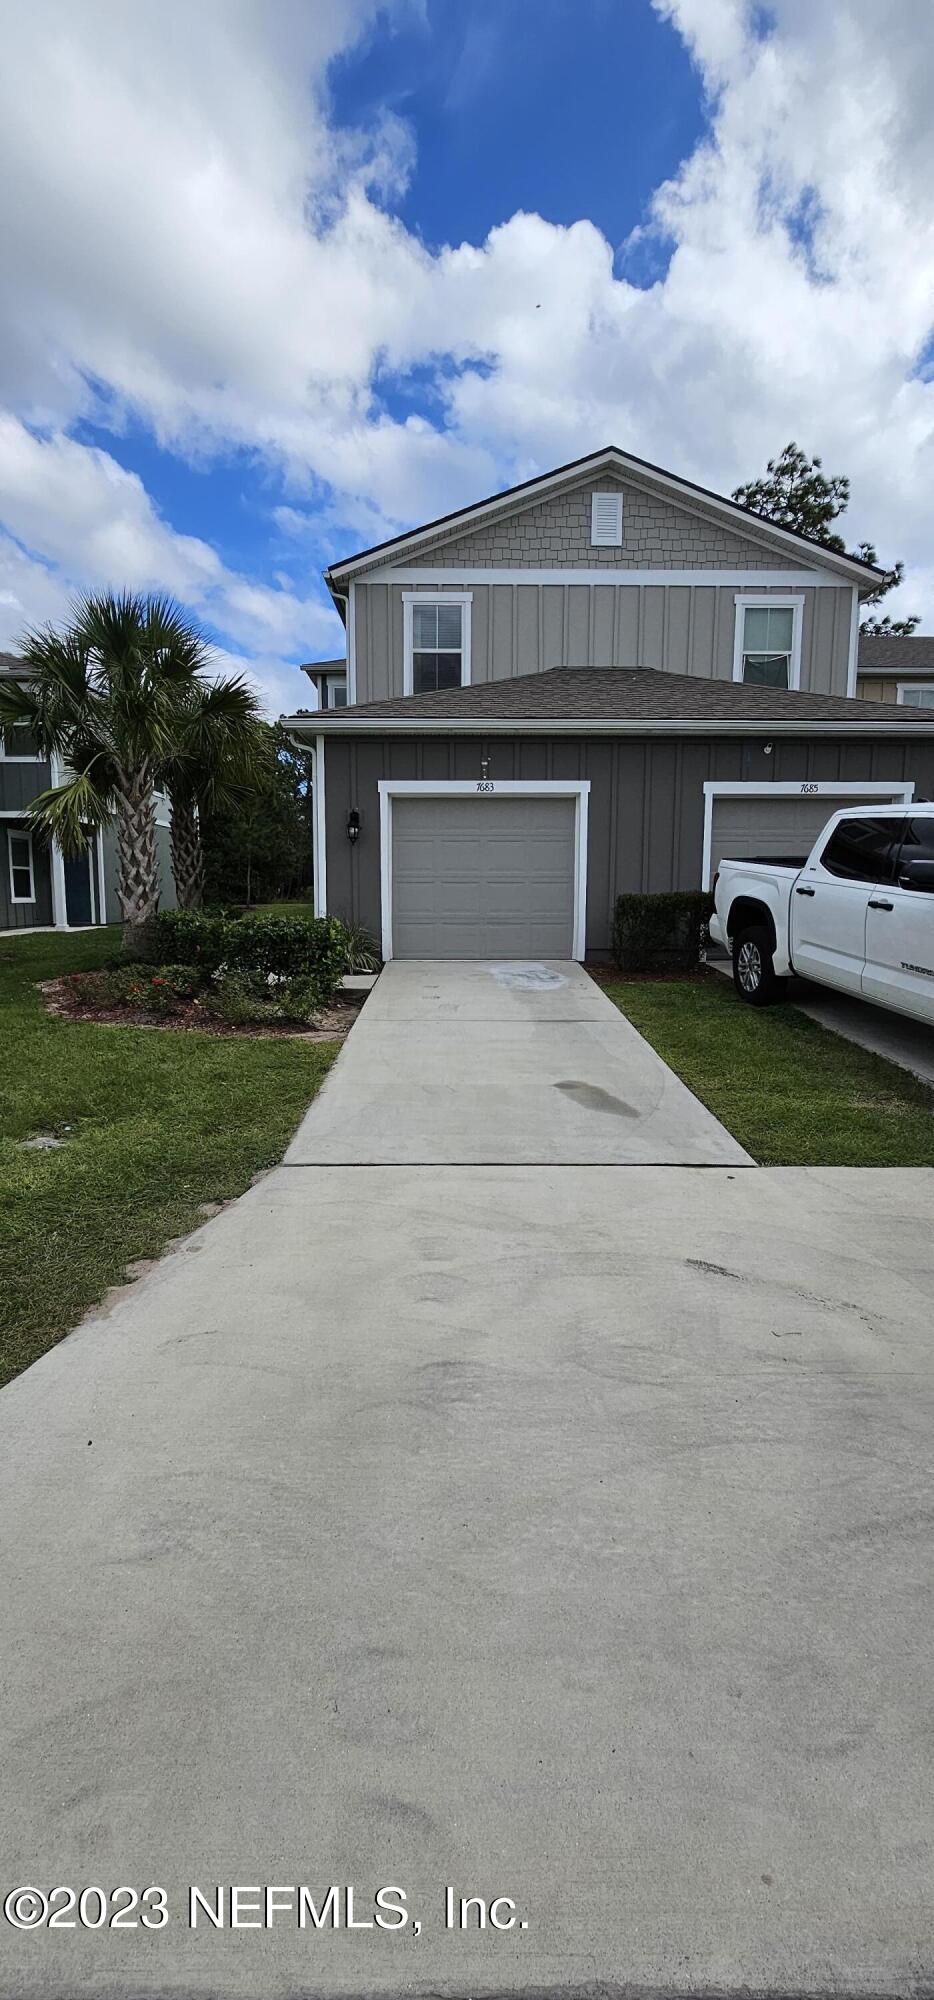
x: 361, y: 952
x: 248, y: 999
x: 189, y: 937
x: 160, y: 989
x: 662, y: 933
x: 275, y: 947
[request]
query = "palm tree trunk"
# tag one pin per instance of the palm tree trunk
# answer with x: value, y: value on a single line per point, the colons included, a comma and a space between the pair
x: 137, y: 856
x: 187, y: 855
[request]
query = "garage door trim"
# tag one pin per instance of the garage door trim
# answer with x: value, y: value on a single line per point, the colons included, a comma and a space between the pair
x: 577, y: 789
x: 899, y: 792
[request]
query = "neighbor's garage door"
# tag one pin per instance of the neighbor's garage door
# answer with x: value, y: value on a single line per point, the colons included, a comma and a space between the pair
x: 482, y: 877
x: 772, y: 827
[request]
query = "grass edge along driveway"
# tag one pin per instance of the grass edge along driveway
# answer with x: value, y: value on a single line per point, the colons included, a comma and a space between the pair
x: 793, y: 1093
x: 153, y: 1122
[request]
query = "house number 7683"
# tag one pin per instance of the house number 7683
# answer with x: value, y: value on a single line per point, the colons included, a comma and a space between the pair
x: 485, y: 785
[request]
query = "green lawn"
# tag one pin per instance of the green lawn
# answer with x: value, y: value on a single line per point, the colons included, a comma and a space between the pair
x: 791, y: 1092
x: 160, y: 1121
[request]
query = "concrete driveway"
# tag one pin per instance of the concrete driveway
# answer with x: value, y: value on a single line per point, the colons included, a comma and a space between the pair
x: 520, y: 1065
x: 559, y: 1533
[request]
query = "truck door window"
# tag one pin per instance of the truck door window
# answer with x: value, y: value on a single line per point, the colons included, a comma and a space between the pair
x: 919, y: 839
x: 863, y: 850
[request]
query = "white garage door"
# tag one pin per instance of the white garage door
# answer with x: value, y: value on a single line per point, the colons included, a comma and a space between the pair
x: 780, y: 827
x: 483, y: 877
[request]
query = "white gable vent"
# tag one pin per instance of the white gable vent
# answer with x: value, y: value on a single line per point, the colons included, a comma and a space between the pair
x: 606, y: 520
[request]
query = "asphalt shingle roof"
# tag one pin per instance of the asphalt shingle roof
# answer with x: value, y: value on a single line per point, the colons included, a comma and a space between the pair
x: 910, y: 655
x: 630, y: 694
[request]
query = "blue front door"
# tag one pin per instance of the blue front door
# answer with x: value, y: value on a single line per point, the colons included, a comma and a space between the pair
x: 79, y: 906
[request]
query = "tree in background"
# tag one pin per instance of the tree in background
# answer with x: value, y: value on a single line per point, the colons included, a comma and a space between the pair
x: 260, y: 849
x: 216, y: 764
x: 796, y: 493
x: 103, y: 699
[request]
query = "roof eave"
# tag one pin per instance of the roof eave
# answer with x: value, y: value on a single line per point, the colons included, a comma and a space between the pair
x: 339, y: 723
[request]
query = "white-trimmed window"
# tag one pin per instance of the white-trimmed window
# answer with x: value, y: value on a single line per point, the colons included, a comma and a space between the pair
x: 767, y: 647
x: 916, y: 694
x: 606, y: 520
x: 335, y: 692
x: 436, y: 640
x: 22, y: 875
x: 20, y: 746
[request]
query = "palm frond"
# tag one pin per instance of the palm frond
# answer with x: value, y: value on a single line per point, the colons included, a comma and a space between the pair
x: 219, y: 747
x: 17, y: 705
x: 176, y: 647
x: 54, y: 691
x: 70, y: 812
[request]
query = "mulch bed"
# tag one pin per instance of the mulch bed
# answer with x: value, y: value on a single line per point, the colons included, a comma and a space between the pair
x: 603, y: 974
x: 335, y: 1023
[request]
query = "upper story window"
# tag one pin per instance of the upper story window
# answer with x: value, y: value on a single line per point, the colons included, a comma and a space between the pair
x: 22, y: 880
x: 767, y: 649
x: 19, y: 746
x: 335, y: 693
x: 916, y: 694
x: 436, y: 640
x: 606, y: 520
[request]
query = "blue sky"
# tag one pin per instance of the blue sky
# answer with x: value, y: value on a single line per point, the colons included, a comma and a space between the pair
x: 501, y: 119
x: 280, y: 282
x: 565, y: 110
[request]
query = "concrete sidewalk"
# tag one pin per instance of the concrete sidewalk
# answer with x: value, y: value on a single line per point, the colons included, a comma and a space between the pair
x: 485, y: 1065
x: 558, y: 1533
x: 550, y: 1533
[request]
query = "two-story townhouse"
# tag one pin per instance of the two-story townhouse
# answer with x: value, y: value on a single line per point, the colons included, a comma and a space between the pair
x: 40, y: 887
x: 599, y: 681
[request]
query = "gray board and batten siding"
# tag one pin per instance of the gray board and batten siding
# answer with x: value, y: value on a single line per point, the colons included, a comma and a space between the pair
x: 21, y: 777
x: 24, y: 916
x: 646, y: 802
x: 523, y: 625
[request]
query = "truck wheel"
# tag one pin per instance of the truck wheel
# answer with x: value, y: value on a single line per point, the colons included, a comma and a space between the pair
x: 754, y: 975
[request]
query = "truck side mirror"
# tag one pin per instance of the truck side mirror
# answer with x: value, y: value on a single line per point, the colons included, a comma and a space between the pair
x: 916, y: 871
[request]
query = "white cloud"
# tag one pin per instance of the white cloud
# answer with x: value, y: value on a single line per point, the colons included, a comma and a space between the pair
x: 185, y: 236
x: 73, y: 507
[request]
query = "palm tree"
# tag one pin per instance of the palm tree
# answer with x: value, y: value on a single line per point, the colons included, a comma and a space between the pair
x: 216, y: 759
x: 103, y: 699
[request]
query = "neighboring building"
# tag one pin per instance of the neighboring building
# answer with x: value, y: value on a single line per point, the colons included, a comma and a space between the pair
x: 38, y: 885
x: 599, y: 681
x: 329, y: 680
x: 898, y: 670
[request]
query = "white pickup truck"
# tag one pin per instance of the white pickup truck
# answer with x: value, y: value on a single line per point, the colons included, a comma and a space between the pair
x: 858, y: 915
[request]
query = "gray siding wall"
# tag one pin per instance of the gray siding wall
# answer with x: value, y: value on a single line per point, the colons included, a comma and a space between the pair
x: 21, y: 783
x: 646, y: 799
x: 24, y: 916
x: 524, y: 628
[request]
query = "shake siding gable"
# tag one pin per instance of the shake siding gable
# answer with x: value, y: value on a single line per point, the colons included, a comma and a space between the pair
x: 555, y: 534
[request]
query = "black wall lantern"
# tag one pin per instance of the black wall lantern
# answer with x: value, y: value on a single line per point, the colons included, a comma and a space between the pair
x: 353, y: 826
